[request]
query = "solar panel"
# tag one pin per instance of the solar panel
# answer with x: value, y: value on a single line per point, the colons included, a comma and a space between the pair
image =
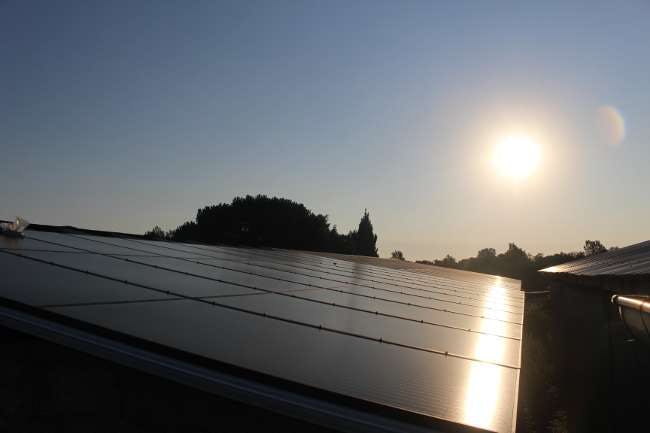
x: 39, y: 284
x: 416, y: 343
x: 630, y: 260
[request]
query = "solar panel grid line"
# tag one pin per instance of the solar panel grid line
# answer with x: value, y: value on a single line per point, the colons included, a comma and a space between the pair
x: 408, y: 332
x: 302, y: 298
x: 415, y: 305
x: 339, y: 268
x: 375, y: 297
x: 290, y: 294
x: 449, y: 287
x: 509, y: 289
x: 381, y: 340
x: 239, y: 262
x: 443, y: 281
x: 309, y: 257
x: 346, y: 282
x: 467, y: 321
x: 341, y: 263
x: 482, y: 306
x: 46, y: 251
x: 136, y: 301
x: 137, y: 255
x: 272, y: 254
x: 344, y: 266
x: 446, y: 290
x: 238, y: 254
x: 81, y: 253
x: 380, y: 271
x: 407, y: 275
x: 272, y: 316
x: 434, y: 271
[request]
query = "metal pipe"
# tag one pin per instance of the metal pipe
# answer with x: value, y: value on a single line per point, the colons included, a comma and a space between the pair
x: 635, y: 314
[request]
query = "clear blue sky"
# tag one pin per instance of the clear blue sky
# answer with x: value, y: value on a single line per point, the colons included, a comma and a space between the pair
x: 122, y: 115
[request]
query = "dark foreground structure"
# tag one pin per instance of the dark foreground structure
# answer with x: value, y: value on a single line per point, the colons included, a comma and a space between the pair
x: 597, y: 340
x: 203, y: 337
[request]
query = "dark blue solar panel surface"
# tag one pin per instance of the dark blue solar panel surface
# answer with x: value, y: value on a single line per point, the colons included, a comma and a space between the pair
x: 442, y: 344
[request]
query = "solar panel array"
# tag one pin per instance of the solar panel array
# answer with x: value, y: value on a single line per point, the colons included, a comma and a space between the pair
x: 630, y: 260
x: 443, y: 345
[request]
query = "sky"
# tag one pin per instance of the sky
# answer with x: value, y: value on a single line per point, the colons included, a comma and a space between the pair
x: 123, y: 115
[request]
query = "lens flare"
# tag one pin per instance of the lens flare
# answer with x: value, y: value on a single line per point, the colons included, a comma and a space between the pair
x: 611, y: 125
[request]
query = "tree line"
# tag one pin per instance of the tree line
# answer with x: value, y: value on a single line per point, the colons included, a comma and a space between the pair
x: 515, y: 262
x: 263, y: 221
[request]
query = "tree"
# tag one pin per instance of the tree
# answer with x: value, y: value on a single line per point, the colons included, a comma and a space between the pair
x: 397, y: 255
x: 487, y: 254
x: 187, y: 231
x: 272, y: 222
x: 366, y: 239
x: 514, y: 262
x: 449, y: 262
x: 155, y: 233
x: 594, y: 247
x: 265, y: 221
x: 486, y: 259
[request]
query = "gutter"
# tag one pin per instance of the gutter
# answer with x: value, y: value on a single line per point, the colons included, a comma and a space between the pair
x: 635, y: 314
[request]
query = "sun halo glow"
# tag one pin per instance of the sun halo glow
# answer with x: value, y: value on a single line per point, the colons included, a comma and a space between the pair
x: 516, y: 157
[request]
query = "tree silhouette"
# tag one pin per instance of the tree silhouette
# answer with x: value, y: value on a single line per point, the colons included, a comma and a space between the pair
x: 514, y: 262
x: 594, y: 247
x: 156, y: 233
x: 448, y: 261
x: 397, y: 255
x: 366, y: 239
x: 271, y: 222
x: 188, y: 231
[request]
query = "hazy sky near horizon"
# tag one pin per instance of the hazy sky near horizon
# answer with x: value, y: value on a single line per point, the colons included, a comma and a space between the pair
x: 123, y: 115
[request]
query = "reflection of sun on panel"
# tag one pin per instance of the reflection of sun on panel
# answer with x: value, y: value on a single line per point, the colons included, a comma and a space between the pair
x: 481, y: 395
x: 483, y: 384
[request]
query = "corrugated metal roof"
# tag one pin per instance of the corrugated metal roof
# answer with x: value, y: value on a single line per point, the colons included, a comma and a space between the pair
x: 630, y: 260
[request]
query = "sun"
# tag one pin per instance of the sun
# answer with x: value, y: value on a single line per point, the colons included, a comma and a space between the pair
x: 516, y: 157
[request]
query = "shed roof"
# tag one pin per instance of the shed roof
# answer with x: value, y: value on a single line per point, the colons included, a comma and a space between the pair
x: 630, y: 260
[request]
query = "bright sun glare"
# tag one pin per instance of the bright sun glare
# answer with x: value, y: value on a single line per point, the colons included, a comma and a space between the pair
x: 516, y: 157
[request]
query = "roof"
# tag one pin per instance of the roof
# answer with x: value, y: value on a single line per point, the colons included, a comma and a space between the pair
x: 347, y: 344
x: 630, y: 260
